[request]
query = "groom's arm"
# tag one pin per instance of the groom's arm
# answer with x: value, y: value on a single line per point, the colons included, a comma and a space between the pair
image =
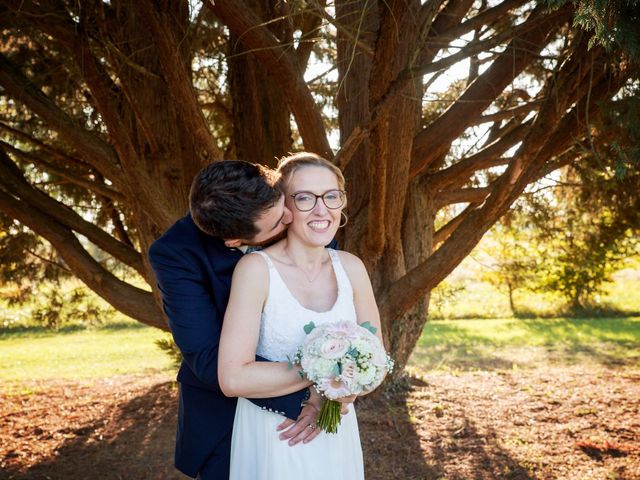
x: 190, y: 309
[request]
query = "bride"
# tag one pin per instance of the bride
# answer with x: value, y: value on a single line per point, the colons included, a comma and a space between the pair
x: 275, y: 293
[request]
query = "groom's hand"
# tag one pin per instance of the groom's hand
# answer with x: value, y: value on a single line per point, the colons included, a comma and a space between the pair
x: 304, y: 429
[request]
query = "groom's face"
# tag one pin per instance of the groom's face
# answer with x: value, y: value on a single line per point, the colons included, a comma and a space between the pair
x: 272, y: 224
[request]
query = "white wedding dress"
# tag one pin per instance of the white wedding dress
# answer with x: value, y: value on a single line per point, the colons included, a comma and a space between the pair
x: 256, y: 451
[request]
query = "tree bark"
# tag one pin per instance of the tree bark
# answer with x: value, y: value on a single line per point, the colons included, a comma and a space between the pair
x: 261, y: 127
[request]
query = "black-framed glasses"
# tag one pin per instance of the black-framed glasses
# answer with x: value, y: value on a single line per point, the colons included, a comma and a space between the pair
x: 306, y: 201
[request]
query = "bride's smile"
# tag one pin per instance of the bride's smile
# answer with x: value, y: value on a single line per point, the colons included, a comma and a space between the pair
x: 315, y: 200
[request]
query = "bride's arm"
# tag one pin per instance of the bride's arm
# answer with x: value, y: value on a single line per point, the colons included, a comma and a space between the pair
x: 363, y: 298
x: 238, y: 372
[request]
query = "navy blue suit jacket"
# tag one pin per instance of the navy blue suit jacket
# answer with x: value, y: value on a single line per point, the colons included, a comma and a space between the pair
x: 193, y: 271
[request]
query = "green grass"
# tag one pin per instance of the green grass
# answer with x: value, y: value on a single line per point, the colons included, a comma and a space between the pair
x: 496, y: 344
x: 28, y: 354
x: 469, y: 298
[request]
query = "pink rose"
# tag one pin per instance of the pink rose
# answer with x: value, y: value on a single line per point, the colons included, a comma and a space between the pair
x: 342, y: 329
x: 333, y: 388
x: 334, y: 348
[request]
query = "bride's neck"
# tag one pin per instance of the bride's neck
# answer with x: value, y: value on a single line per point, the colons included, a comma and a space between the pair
x: 304, y: 255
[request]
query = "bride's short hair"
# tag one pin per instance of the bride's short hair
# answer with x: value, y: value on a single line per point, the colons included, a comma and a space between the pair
x: 288, y: 165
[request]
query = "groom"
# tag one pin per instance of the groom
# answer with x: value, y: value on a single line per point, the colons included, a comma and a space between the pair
x: 233, y: 204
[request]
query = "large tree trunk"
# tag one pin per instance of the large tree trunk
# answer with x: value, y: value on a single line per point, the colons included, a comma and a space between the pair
x: 354, y: 70
x: 381, y: 201
x: 262, y: 124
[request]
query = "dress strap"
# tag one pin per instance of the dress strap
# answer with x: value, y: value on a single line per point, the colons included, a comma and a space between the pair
x: 266, y: 257
x: 344, y: 284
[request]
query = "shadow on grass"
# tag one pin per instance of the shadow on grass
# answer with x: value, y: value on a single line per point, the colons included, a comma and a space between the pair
x: 135, y: 443
x: 610, y: 342
x: 604, y: 310
x: 393, y: 449
x: 595, y: 311
x: 605, y: 341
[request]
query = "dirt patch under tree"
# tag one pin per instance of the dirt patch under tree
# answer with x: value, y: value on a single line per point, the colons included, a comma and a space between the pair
x: 528, y: 424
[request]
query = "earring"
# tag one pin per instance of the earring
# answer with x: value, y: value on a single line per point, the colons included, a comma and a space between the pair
x: 346, y: 219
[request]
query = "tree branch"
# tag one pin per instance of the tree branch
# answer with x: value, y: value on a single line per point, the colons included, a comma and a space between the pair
x: 461, y: 195
x: 93, y: 149
x: 445, y: 231
x: 310, y: 23
x: 489, y: 156
x: 25, y: 137
x: 480, y: 20
x: 49, y: 261
x: 130, y: 300
x: 447, y: 17
x: 435, y: 140
x: 459, y: 173
x: 481, y: 87
x: 106, y: 94
x: 508, y: 113
x: 281, y: 65
x: 176, y: 74
x: 14, y: 182
x: 96, y: 187
x: 358, y: 42
x: 533, y: 155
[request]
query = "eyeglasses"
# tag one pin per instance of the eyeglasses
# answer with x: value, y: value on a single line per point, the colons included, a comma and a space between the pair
x: 306, y: 201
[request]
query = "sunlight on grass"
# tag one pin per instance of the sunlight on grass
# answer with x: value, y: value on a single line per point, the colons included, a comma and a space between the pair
x: 464, y: 295
x: 80, y: 354
x: 623, y: 293
x: 516, y: 343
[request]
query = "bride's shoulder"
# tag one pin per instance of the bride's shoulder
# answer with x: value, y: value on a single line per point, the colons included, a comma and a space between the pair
x: 251, y: 264
x: 351, y: 263
x: 358, y: 275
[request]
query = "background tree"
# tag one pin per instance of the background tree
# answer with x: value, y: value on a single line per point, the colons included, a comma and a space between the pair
x: 593, y: 224
x: 512, y: 256
x: 109, y: 108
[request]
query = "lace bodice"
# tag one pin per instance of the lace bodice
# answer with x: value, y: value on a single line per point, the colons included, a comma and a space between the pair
x: 283, y: 317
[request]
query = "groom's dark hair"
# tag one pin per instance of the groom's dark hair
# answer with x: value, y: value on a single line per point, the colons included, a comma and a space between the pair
x: 227, y: 198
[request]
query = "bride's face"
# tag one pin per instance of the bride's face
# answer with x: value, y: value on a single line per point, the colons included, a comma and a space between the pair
x: 318, y: 225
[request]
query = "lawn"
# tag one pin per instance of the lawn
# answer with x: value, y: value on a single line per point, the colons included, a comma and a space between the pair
x: 501, y: 398
x: 29, y: 355
x: 463, y: 295
x: 36, y: 354
x: 491, y: 396
x: 493, y: 344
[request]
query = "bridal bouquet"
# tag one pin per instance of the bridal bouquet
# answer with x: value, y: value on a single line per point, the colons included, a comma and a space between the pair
x: 342, y: 358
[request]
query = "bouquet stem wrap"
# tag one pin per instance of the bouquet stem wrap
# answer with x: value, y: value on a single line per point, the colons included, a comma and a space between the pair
x: 330, y: 416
